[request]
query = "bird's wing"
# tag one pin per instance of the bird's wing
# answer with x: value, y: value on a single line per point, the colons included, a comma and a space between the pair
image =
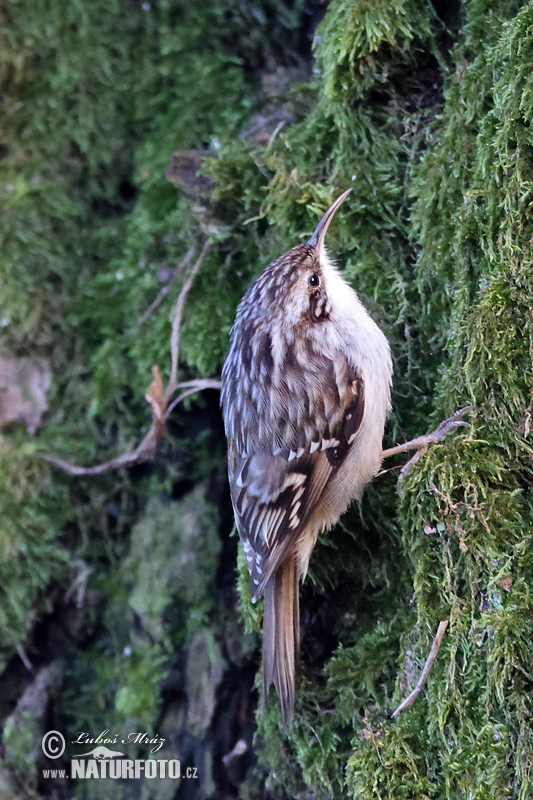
x: 277, y: 486
x: 285, y: 402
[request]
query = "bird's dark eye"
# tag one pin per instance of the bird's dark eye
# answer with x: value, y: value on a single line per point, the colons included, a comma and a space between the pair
x: 313, y: 280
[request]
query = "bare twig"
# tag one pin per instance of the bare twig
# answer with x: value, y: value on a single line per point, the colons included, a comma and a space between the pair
x: 408, y: 702
x: 194, y: 386
x: 176, y: 324
x: 166, y: 288
x: 144, y: 452
x: 200, y: 383
x: 385, y: 766
x: 79, y: 584
x: 24, y: 658
x: 157, y: 397
x: 262, y: 122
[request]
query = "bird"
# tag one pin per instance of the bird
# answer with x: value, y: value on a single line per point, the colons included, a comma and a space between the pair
x: 305, y: 393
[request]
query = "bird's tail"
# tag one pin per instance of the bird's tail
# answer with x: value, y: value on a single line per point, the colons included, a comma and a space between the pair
x: 281, y: 635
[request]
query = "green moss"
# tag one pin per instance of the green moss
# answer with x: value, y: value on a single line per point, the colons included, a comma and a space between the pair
x: 361, y: 43
x: 466, y: 507
x: 181, y: 539
x: 473, y: 494
x: 23, y: 733
x: 138, y: 699
x: 30, y: 552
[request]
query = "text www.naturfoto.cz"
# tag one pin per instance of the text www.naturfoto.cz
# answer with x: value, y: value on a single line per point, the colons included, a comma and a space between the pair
x: 122, y: 768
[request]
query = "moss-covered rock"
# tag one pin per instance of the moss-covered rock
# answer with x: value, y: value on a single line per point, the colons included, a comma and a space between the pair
x: 173, y: 559
x: 23, y: 733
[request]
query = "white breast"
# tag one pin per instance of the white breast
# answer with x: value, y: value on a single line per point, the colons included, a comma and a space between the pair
x: 351, y: 331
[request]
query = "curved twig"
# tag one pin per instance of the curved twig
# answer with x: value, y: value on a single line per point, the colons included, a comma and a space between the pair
x: 194, y: 386
x: 176, y: 323
x: 437, y: 639
x: 158, y: 398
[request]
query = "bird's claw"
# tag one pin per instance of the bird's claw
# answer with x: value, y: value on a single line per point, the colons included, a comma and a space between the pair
x: 447, y: 426
x: 421, y: 443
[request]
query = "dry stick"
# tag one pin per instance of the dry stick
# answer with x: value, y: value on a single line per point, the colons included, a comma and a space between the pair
x: 155, y: 396
x: 194, y: 386
x: 408, y: 702
x: 24, y: 658
x: 166, y: 289
x: 144, y: 452
x: 176, y: 324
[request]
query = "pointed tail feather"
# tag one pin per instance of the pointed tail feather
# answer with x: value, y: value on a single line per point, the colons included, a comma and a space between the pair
x: 281, y: 635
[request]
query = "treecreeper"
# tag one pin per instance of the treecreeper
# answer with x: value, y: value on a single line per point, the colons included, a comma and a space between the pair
x: 305, y: 394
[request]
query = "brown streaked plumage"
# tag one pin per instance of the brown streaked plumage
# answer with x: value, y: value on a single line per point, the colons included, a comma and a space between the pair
x: 305, y: 394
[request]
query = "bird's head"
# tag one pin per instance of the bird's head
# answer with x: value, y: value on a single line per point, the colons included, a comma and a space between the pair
x: 298, y: 283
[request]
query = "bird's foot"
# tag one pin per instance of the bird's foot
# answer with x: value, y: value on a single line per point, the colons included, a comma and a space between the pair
x: 421, y: 443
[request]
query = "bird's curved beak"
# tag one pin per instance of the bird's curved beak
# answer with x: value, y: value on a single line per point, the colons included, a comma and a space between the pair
x: 317, y: 239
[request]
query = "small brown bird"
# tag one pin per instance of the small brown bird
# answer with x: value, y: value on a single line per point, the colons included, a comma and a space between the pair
x: 305, y: 394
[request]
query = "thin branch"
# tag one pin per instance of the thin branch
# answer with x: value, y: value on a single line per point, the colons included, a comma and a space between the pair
x: 176, y: 324
x: 156, y: 397
x: 262, y: 122
x: 79, y: 584
x: 200, y: 383
x: 408, y: 702
x: 194, y: 386
x: 166, y: 289
x: 24, y: 658
x: 385, y: 766
x: 144, y: 452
